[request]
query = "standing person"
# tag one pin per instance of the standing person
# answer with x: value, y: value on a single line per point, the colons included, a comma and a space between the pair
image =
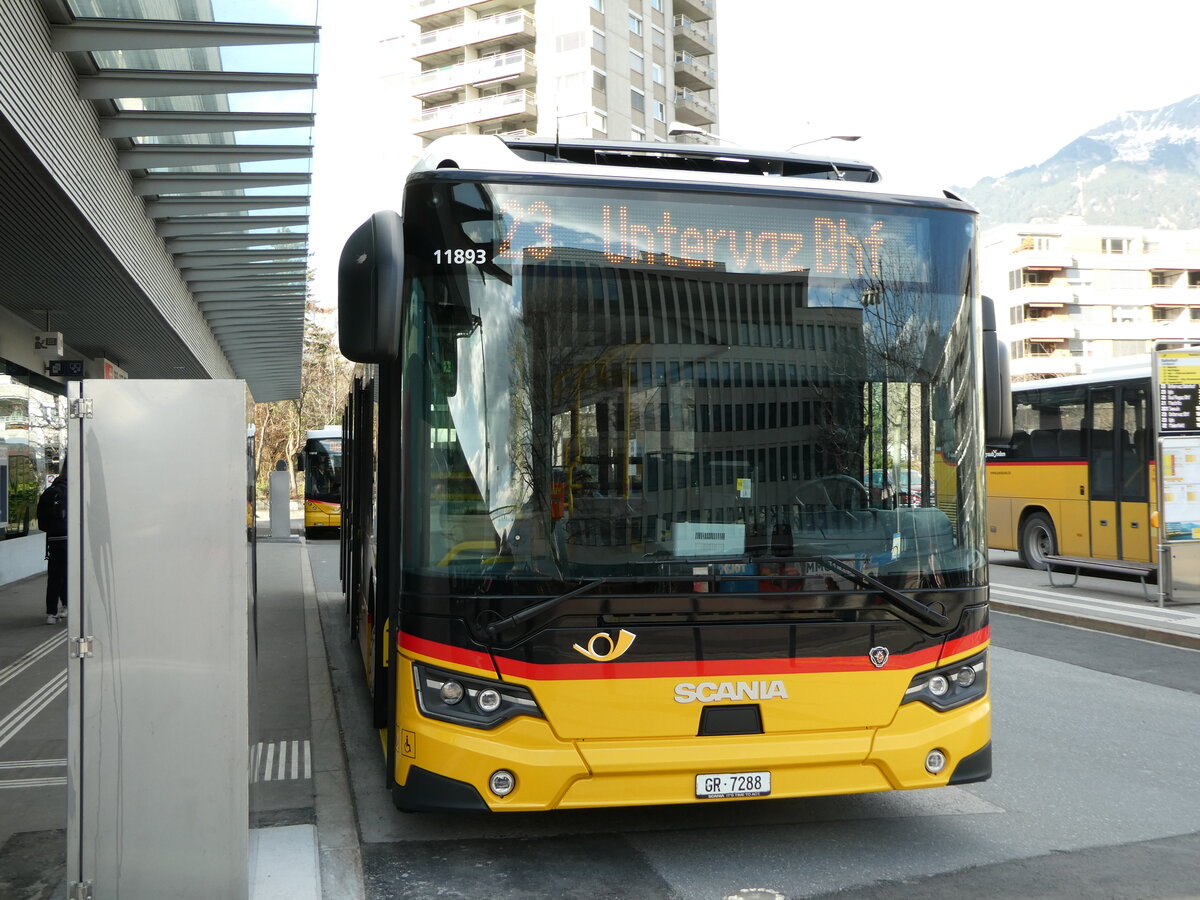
x: 52, y: 519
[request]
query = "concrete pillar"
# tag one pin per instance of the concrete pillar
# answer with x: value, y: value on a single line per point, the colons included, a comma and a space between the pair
x: 280, y: 490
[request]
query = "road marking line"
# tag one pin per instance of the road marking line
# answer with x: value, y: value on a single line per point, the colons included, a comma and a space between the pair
x: 33, y: 764
x: 1095, y: 604
x: 281, y: 761
x: 11, y: 725
x: 33, y: 782
x: 15, y: 668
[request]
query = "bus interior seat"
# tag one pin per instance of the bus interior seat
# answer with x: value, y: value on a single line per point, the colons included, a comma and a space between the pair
x: 1044, y: 442
x: 1070, y: 443
x: 1019, y: 445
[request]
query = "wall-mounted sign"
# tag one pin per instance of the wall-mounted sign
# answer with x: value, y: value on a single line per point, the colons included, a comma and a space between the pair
x: 67, y: 368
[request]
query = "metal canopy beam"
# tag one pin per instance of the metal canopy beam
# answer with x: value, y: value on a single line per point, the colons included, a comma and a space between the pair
x: 148, y: 156
x: 112, y: 84
x: 259, y: 285
x: 204, y: 241
x: 232, y: 257
x: 248, y: 271
x: 201, y: 297
x: 157, y: 183
x: 169, y: 34
x: 144, y: 123
x: 176, y: 226
x: 199, y: 206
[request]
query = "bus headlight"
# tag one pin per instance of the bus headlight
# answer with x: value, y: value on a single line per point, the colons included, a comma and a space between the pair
x: 491, y: 702
x: 950, y: 686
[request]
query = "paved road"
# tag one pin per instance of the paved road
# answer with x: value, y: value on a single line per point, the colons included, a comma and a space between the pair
x: 1094, y: 795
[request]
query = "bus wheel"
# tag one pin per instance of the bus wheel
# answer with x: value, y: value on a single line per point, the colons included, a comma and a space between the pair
x: 1037, y: 541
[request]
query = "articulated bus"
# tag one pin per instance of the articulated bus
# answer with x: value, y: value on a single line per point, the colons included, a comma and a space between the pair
x: 321, y: 462
x: 610, y: 536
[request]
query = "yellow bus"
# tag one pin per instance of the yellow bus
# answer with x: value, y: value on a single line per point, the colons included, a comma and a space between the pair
x: 1077, y: 478
x: 321, y: 462
x: 611, y: 539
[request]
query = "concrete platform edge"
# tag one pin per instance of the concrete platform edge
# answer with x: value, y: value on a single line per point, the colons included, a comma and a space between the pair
x: 337, y: 832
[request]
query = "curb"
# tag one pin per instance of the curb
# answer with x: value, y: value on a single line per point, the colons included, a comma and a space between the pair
x: 1124, y: 629
x: 339, y: 851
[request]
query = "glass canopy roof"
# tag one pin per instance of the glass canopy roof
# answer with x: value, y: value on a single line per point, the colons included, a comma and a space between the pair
x: 209, y: 104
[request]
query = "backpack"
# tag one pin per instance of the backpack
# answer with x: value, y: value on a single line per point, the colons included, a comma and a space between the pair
x: 52, y: 510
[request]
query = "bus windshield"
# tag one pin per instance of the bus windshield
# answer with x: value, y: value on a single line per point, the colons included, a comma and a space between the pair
x: 613, y: 378
x: 323, y: 469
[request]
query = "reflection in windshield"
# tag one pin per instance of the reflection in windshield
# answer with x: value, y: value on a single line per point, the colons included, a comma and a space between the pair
x: 591, y: 411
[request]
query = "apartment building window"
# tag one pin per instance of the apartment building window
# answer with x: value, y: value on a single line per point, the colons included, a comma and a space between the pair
x: 599, y: 80
x: 598, y: 40
x: 635, y: 23
x: 1194, y: 313
x: 639, y: 134
x: 658, y: 37
x: 657, y: 73
x: 660, y: 111
x: 1193, y: 279
x: 1114, y: 245
x: 1165, y: 313
x: 1163, y: 279
x: 656, y: 4
x: 1127, y: 314
x: 637, y: 100
x: 1037, y: 276
x: 599, y: 121
x: 637, y: 62
x: 598, y: 5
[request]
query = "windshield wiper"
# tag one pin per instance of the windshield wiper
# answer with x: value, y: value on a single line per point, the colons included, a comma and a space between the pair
x: 904, y: 601
x: 528, y: 612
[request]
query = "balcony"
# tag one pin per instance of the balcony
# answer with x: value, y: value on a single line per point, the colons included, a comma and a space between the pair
x: 515, y: 26
x: 693, y: 109
x: 693, y: 37
x: 513, y: 107
x: 442, y: 13
x: 698, y: 10
x: 691, y: 72
x: 516, y: 66
x: 1050, y: 328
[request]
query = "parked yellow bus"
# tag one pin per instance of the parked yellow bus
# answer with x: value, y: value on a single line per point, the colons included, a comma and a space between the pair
x: 1077, y: 478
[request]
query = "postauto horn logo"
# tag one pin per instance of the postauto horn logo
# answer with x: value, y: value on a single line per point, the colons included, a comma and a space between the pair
x: 602, y: 647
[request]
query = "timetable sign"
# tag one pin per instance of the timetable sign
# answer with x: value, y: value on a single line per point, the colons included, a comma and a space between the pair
x: 1178, y: 408
x: 1178, y: 392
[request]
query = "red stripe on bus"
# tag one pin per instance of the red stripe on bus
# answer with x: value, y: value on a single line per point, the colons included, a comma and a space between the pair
x: 967, y: 642
x: 1037, y: 462
x: 685, y: 668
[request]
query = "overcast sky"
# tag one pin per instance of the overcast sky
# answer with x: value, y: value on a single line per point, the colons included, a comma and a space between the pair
x: 943, y: 92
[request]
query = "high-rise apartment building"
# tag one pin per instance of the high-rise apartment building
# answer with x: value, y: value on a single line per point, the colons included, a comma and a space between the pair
x: 615, y: 69
x: 1072, y: 297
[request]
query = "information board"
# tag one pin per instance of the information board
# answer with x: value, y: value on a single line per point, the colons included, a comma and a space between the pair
x: 1179, y: 392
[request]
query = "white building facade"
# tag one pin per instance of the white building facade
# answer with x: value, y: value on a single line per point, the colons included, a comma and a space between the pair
x: 1071, y: 297
x: 610, y: 69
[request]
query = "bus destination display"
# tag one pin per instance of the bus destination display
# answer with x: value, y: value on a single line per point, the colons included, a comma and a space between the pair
x: 754, y: 237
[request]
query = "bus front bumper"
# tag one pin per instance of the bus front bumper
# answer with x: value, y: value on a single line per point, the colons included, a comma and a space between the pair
x: 440, y: 766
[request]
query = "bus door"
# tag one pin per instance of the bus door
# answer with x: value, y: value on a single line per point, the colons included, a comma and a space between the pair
x: 1118, y: 486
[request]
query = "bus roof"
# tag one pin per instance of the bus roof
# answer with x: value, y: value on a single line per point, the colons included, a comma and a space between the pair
x: 329, y: 431
x: 661, y: 162
x: 1137, y: 367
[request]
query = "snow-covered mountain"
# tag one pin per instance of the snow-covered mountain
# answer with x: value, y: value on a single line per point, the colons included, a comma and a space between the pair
x: 1142, y: 168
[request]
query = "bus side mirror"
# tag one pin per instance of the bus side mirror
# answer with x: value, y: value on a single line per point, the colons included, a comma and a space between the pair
x: 997, y: 383
x: 370, y: 275
x: 299, y: 461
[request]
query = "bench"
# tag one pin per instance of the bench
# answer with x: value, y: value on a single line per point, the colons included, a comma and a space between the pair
x: 1140, y: 570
